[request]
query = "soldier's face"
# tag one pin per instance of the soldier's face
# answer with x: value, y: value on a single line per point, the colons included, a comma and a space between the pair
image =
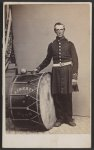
x: 59, y: 30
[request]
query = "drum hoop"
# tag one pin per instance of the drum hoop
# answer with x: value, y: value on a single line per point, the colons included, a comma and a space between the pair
x: 43, y: 73
x: 37, y: 93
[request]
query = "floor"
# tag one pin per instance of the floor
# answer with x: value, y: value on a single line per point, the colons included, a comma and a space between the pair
x: 82, y: 127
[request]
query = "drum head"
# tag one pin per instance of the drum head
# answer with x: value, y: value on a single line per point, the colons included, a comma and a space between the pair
x: 47, y: 109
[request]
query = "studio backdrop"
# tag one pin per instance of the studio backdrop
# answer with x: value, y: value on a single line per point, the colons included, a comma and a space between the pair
x: 33, y: 30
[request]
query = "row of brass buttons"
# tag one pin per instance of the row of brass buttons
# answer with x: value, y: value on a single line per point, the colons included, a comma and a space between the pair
x: 59, y: 51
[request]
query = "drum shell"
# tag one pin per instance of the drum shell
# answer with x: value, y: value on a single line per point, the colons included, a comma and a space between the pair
x: 24, y: 99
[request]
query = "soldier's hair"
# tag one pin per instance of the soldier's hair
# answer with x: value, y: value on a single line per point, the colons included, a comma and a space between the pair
x: 58, y: 23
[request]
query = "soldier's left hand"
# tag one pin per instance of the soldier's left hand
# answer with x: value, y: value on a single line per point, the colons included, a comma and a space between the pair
x: 74, y: 82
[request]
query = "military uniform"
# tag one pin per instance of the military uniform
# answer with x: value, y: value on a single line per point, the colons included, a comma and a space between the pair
x: 65, y: 68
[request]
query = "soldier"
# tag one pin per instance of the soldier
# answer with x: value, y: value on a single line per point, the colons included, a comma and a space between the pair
x: 64, y: 74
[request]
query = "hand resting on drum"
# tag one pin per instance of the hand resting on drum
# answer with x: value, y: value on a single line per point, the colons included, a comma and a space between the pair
x: 35, y: 71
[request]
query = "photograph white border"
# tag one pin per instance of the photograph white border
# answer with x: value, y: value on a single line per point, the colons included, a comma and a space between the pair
x: 42, y: 140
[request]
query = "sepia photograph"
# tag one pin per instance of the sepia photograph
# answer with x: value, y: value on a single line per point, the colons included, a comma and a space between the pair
x: 47, y: 50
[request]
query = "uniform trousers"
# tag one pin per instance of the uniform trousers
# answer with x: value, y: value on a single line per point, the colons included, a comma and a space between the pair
x: 63, y: 106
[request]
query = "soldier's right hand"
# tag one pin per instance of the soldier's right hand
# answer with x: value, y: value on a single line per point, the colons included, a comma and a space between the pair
x: 35, y: 71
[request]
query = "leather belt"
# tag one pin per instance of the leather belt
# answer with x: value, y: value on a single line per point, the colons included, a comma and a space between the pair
x: 62, y: 64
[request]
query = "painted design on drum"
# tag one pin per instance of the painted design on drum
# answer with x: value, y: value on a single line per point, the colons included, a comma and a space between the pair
x: 23, y: 89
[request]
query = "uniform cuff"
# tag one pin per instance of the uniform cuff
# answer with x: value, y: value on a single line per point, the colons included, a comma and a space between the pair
x: 75, y: 76
x: 74, y: 80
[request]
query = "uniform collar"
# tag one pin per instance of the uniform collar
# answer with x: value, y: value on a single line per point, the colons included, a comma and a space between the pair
x: 61, y: 38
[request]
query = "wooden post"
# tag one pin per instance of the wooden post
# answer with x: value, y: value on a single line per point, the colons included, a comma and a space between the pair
x: 8, y: 30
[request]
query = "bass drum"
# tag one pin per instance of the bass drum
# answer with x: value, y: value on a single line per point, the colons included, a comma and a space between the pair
x: 31, y: 99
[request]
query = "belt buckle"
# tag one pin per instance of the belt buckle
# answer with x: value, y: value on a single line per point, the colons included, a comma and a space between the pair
x: 60, y: 64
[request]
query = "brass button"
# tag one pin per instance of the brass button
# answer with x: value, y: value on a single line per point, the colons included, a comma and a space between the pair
x: 59, y: 52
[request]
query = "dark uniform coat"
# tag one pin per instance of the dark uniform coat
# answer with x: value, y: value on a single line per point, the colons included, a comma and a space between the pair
x: 61, y: 50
